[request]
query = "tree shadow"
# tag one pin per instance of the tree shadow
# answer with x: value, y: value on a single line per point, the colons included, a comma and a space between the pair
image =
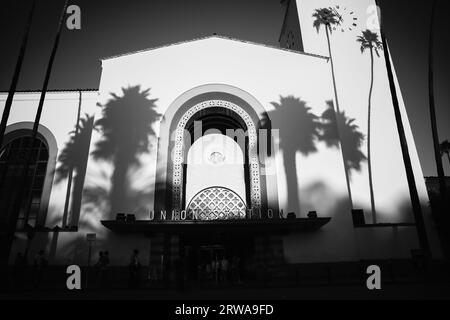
x: 299, y: 132
x: 338, y: 129
x: 126, y: 127
x: 74, y: 157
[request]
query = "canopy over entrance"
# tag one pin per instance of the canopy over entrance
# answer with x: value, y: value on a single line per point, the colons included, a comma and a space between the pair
x: 252, y: 226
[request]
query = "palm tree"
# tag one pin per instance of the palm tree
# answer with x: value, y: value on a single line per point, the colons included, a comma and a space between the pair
x: 126, y: 125
x: 299, y: 131
x: 73, y: 158
x: 434, y: 129
x: 327, y: 18
x: 445, y: 148
x: 415, y: 202
x: 17, y: 201
x: 369, y: 40
x: 15, y: 79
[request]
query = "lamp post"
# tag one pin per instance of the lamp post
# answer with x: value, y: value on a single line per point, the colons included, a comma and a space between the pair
x: 90, y: 238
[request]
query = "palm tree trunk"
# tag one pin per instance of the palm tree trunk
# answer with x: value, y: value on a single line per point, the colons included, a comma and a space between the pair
x: 415, y: 202
x: 369, y: 159
x: 23, y: 186
x: 18, y: 68
x: 434, y: 129
x: 346, y: 169
x: 332, y: 70
x: 80, y: 177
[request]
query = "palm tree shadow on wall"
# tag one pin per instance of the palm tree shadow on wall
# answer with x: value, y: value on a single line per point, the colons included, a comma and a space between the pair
x: 348, y: 137
x: 126, y: 128
x: 74, y: 157
x: 300, y: 131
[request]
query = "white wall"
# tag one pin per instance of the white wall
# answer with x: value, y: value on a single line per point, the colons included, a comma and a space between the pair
x: 203, y: 172
x: 59, y: 116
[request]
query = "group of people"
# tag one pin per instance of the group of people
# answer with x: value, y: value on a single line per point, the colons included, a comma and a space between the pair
x: 221, y: 270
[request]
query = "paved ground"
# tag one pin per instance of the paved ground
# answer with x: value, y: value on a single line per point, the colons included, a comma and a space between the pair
x: 389, y: 291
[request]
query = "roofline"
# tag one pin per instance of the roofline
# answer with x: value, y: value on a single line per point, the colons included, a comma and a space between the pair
x: 435, y: 177
x: 54, y: 90
x: 215, y: 36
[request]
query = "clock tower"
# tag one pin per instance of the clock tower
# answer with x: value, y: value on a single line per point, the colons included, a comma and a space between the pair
x: 291, y: 34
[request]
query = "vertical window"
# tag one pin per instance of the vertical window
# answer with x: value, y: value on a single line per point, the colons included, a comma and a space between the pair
x: 12, y: 162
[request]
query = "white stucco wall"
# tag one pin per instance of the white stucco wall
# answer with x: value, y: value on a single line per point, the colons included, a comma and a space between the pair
x: 59, y: 117
x: 204, y: 172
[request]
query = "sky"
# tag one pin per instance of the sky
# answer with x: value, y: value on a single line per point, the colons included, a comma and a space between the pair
x: 114, y: 27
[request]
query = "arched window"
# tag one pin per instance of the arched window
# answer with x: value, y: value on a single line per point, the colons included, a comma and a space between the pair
x: 12, y: 162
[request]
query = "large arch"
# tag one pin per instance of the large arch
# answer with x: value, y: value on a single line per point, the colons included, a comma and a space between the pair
x: 179, y: 152
x: 185, y: 107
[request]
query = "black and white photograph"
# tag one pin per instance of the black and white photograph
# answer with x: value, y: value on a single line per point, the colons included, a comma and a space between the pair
x: 224, y: 155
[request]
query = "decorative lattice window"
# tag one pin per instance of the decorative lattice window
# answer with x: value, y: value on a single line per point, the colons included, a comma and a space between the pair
x: 217, y: 203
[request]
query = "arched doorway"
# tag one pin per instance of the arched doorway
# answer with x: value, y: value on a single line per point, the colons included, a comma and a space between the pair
x: 219, y: 107
x: 223, y: 118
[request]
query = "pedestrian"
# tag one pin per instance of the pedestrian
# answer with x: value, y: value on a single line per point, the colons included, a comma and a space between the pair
x: 40, y: 263
x: 104, y: 266
x: 98, y: 268
x: 19, y: 271
x: 224, y: 269
x: 215, y: 269
x: 208, y: 271
x: 235, y: 274
x: 134, y: 269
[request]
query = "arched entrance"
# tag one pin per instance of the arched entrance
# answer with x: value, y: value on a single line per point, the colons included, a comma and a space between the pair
x: 188, y: 108
x: 219, y: 107
x: 229, y: 119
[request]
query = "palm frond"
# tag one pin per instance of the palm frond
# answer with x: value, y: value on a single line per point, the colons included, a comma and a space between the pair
x: 369, y: 40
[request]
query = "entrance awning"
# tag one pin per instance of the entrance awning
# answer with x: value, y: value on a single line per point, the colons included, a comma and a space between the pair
x: 284, y: 226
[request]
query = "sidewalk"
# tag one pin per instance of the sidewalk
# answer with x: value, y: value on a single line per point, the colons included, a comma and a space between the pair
x: 355, y: 292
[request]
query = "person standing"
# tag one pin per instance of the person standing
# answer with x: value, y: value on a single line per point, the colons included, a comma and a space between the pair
x: 134, y: 269
x: 104, y: 269
x: 98, y: 269
x: 19, y: 271
x: 215, y: 269
x: 224, y: 269
x: 40, y: 263
x: 235, y: 274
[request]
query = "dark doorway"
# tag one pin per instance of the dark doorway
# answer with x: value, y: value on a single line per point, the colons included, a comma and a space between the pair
x: 204, y: 254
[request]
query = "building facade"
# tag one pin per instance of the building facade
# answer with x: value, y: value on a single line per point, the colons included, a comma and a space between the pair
x: 218, y: 146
